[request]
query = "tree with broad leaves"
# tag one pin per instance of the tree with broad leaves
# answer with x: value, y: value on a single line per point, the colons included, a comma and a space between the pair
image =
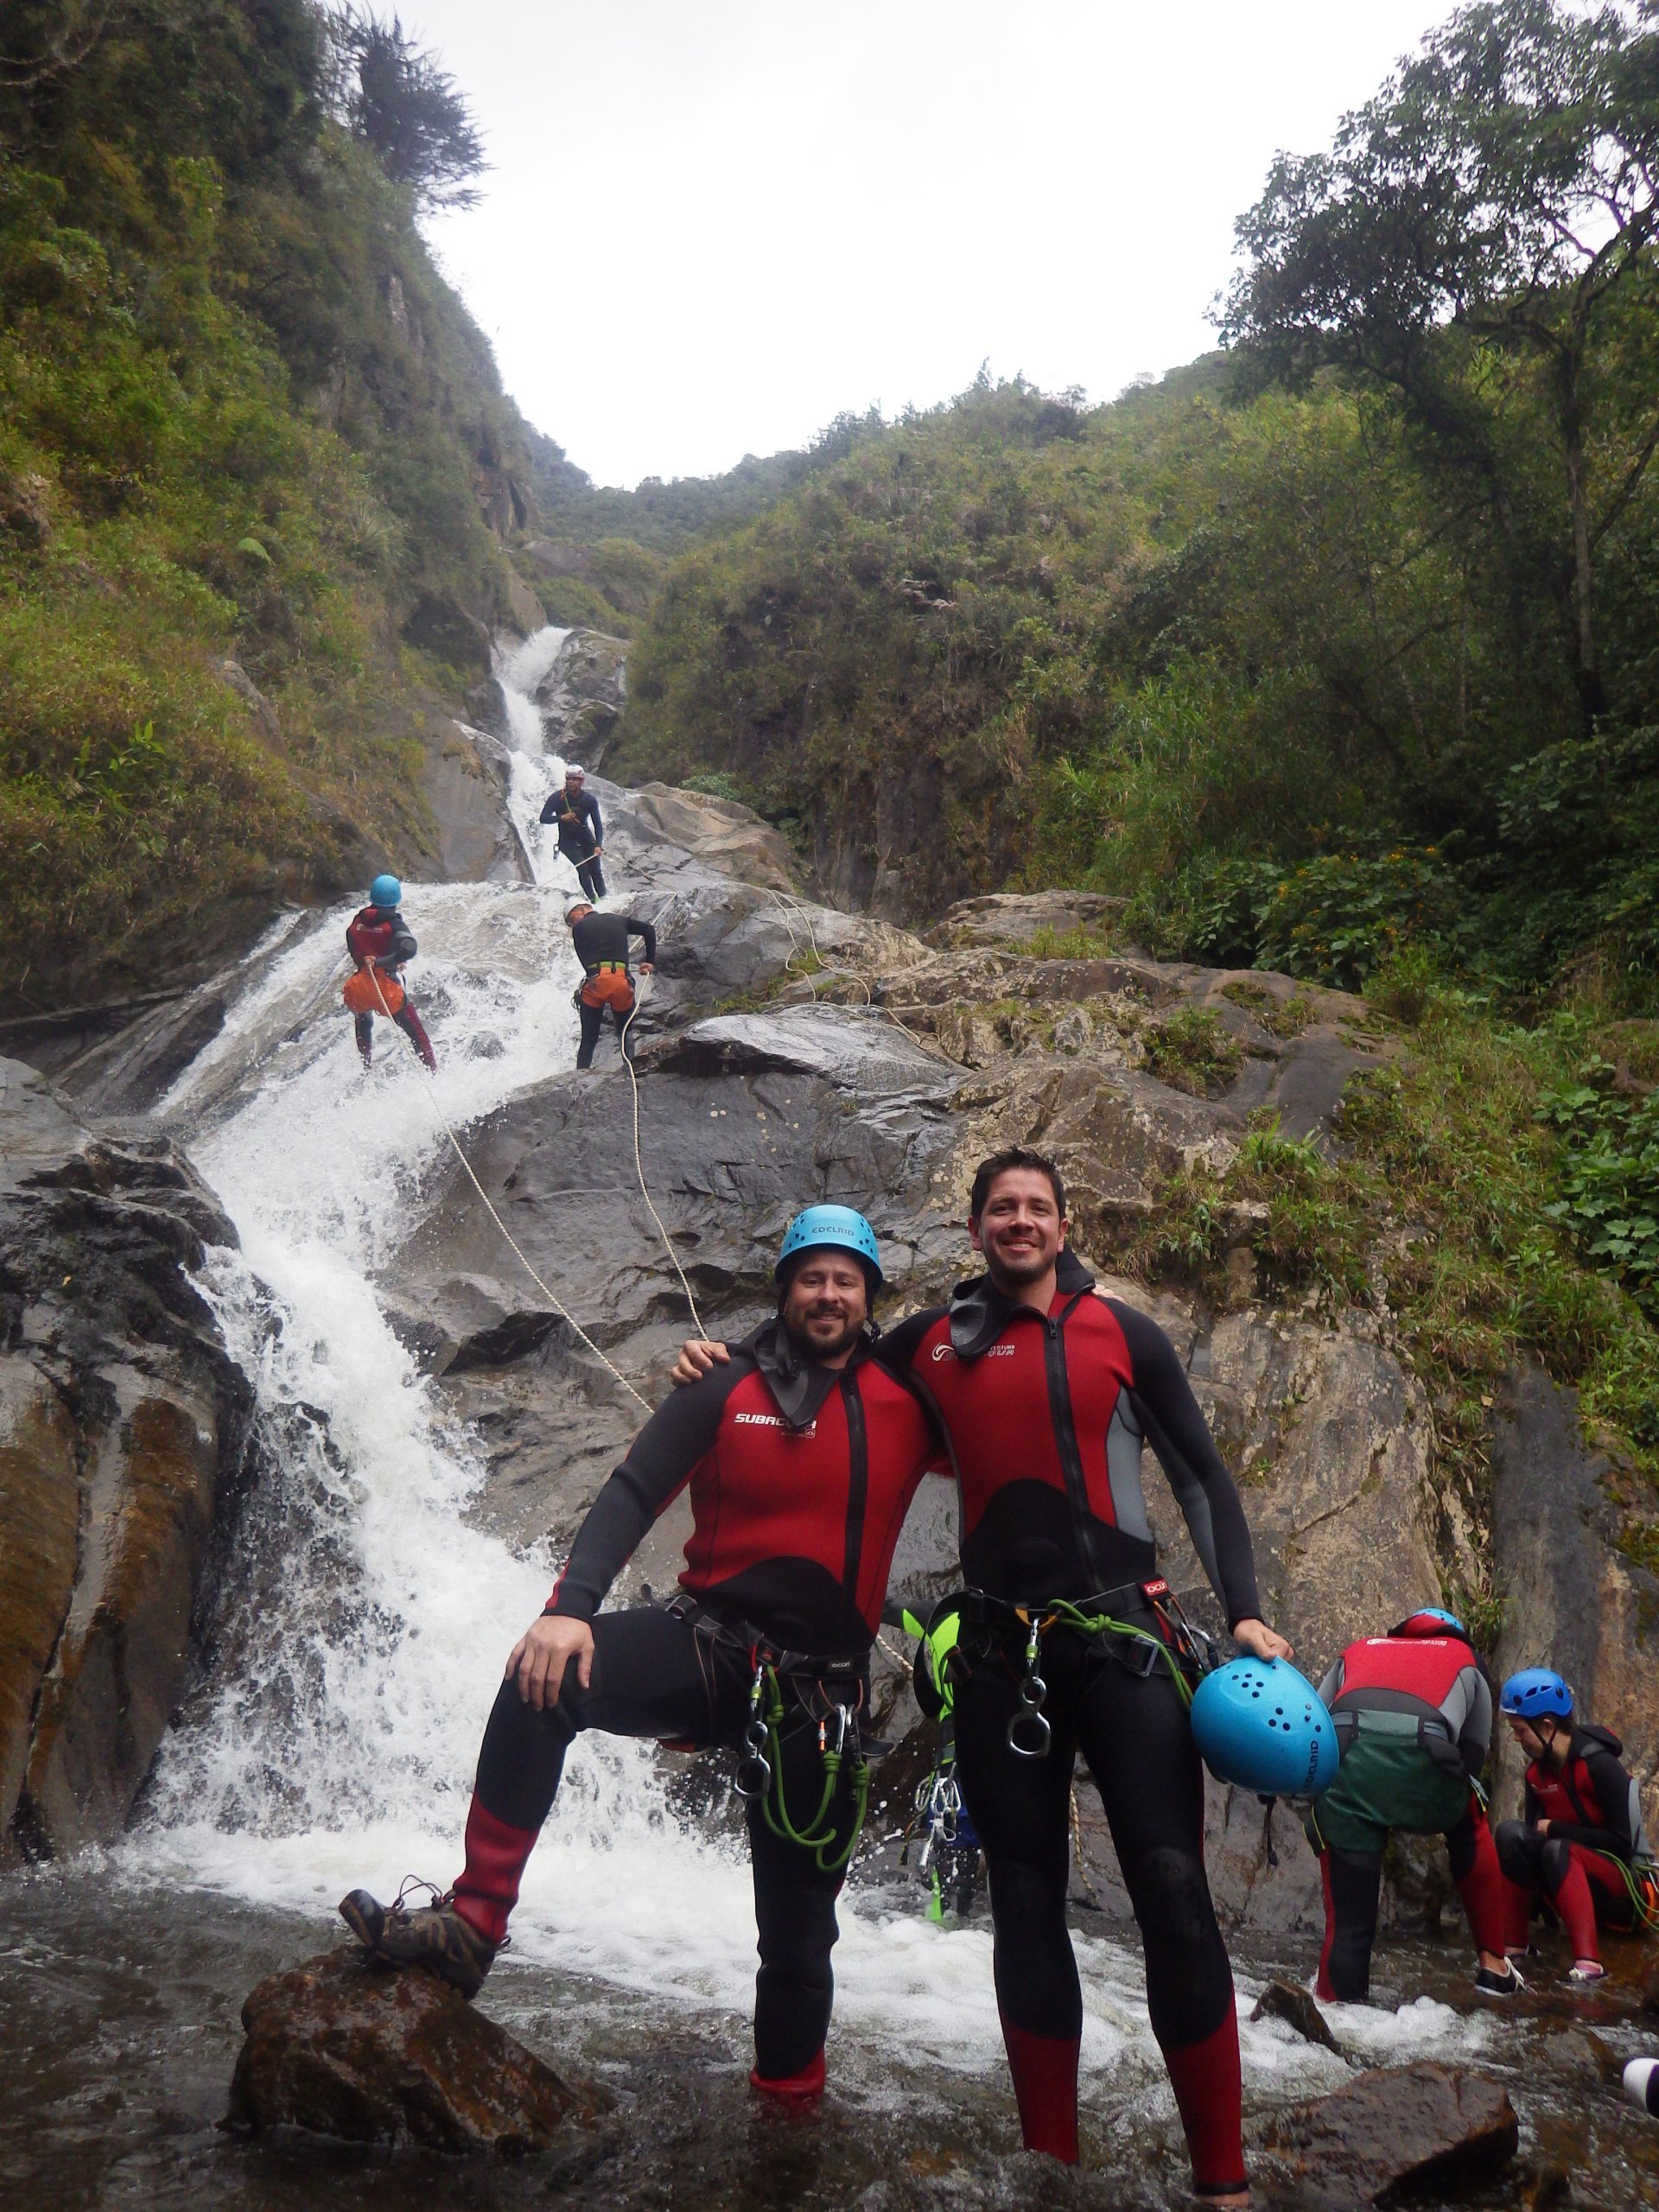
x: 397, y: 100
x: 1503, y: 188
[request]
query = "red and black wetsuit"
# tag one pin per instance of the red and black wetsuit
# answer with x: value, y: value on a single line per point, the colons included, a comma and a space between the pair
x: 1045, y: 1416
x: 1594, y: 1811
x: 799, y: 1479
x: 1414, y: 1717
x: 380, y: 934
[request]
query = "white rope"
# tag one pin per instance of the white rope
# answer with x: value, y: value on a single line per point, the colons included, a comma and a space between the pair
x: 638, y: 1165
x: 552, y: 1298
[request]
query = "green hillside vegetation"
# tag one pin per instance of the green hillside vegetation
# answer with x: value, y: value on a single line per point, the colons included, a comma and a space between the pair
x: 242, y: 420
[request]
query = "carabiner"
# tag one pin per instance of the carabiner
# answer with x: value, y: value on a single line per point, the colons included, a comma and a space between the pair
x: 844, y: 1719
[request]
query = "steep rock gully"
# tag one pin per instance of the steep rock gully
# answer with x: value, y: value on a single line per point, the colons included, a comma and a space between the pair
x: 425, y: 1437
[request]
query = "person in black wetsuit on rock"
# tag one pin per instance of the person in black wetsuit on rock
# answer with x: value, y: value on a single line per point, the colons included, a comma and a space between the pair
x: 802, y: 1455
x: 1046, y: 1391
x: 581, y: 834
x: 601, y: 945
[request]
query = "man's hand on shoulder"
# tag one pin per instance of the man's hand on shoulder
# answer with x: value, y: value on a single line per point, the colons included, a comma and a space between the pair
x: 542, y: 1654
x: 698, y: 1356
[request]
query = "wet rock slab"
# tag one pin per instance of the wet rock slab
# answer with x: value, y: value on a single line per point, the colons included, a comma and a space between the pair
x: 1290, y: 2002
x: 345, y: 2047
x: 1392, y: 2133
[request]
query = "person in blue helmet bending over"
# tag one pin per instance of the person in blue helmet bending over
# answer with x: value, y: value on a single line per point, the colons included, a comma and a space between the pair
x: 380, y: 942
x: 800, y: 1457
x: 1581, y: 1844
x: 1413, y: 1712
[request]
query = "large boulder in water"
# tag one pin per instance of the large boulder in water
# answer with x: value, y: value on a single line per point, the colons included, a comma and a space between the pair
x: 123, y: 1423
x: 1406, y: 2129
x: 344, y: 2045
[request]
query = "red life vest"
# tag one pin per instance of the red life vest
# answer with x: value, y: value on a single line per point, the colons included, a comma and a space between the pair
x: 1425, y: 1667
x: 369, y: 934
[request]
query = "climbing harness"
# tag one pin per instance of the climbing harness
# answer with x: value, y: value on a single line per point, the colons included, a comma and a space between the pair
x: 818, y: 1834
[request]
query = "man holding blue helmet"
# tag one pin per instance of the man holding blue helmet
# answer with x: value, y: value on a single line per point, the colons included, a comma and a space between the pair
x: 1413, y: 1712
x: 1580, y: 1845
x: 801, y: 1454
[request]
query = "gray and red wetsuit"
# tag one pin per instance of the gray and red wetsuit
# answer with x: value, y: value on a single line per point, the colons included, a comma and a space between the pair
x: 1594, y: 1811
x: 1046, y: 1416
x: 799, y: 1477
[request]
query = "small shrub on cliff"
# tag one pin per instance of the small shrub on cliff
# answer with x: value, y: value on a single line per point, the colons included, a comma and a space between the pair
x: 1191, y: 1050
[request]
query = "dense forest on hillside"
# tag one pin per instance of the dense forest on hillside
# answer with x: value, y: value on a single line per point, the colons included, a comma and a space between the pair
x: 1345, y: 633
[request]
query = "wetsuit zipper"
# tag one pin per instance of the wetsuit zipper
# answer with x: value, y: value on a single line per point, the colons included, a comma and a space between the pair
x: 1066, y: 1439
x: 858, y: 1483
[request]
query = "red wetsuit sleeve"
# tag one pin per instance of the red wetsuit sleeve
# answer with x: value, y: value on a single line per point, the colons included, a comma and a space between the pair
x: 1613, y: 1788
x: 658, y: 1467
x: 1205, y: 1492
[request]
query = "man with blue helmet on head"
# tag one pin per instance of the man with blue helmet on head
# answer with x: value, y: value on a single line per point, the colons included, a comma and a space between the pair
x: 1581, y: 1844
x: 801, y: 1456
x: 1412, y: 1711
x: 380, y: 942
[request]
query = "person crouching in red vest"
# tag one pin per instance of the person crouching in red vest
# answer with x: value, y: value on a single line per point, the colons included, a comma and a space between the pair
x: 1581, y: 1844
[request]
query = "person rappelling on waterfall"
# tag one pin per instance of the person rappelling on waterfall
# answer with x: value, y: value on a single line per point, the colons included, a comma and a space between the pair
x: 575, y: 810
x: 1580, y: 1846
x: 1412, y: 1711
x: 601, y: 945
x: 802, y: 1454
x: 1046, y: 1389
x: 380, y: 942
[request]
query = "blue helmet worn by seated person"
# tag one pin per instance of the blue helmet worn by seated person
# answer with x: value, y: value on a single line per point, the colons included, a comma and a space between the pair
x: 1534, y: 1691
x: 837, y: 1225
x: 1260, y: 1725
x: 387, y: 892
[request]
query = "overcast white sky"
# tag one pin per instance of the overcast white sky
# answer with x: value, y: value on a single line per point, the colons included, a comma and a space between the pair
x: 712, y: 225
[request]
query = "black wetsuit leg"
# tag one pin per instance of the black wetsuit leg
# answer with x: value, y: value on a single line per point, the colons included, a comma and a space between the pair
x: 654, y: 1676
x: 1353, y: 1888
x: 364, y: 1025
x: 590, y: 874
x: 412, y: 1026
x: 1133, y: 1731
x: 593, y: 1020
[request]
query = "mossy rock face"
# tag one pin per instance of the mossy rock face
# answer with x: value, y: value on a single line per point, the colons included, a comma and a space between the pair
x: 1191, y: 1051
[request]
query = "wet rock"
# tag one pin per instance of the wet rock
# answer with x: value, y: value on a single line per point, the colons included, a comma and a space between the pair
x: 343, y: 2046
x: 1290, y: 2002
x: 465, y: 785
x: 581, y: 697
x: 1408, y: 2128
x: 1650, y: 1995
x: 720, y: 832
x: 1013, y: 919
x: 123, y: 1421
x: 1573, y: 1600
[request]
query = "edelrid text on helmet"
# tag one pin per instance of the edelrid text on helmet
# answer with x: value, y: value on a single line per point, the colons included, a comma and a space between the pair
x: 1534, y: 1692
x: 1261, y: 1725
x: 1430, y: 1620
x: 387, y: 892
x: 836, y: 1225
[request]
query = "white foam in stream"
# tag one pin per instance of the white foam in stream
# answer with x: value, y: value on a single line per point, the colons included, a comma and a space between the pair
x: 338, y: 1744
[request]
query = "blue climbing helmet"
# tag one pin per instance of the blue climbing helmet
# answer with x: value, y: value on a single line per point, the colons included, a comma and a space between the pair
x: 1260, y: 1725
x: 387, y: 892
x: 1534, y: 1691
x: 838, y: 1225
x: 1430, y: 1620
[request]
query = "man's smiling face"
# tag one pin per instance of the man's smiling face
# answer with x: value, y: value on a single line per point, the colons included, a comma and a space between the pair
x: 1020, y: 1229
x: 827, y: 1303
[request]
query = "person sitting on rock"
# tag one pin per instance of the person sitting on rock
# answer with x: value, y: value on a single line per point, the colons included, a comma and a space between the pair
x: 1045, y: 1390
x: 380, y: 942
x: 601, y: 945
x: 802, y: 1455
x: 1414, y: 1717
x: 582, y: 833
x: 1582, y: 1836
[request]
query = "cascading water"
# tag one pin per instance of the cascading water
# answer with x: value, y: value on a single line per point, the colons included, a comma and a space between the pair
x: 367, y: 1619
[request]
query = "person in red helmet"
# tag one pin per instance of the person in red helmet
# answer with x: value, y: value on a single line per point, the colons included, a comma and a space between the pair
x: 801, y: 1457
x: 380, y: 942
x: 1581, y: 1844
x: 1412, y: 1711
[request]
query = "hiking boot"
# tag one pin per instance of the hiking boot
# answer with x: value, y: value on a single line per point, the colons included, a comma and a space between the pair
x: 435, y: 1936
x: 1490, y: 1983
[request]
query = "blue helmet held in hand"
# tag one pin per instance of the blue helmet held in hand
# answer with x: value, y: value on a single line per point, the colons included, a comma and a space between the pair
x: 1260, y: 1725
x: 387, y: 892
x: 838, y: 1225
x: 1534, y: 1691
